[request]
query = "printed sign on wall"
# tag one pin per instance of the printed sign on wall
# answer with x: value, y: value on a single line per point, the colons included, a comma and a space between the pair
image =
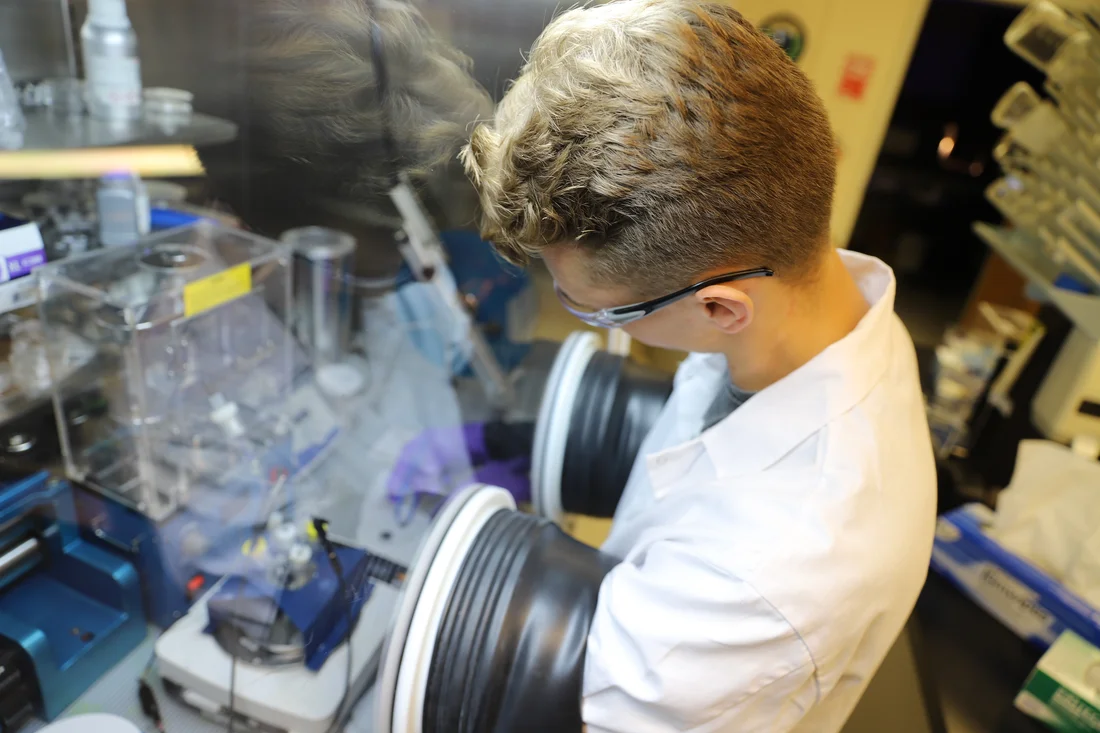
x: 856, y: 75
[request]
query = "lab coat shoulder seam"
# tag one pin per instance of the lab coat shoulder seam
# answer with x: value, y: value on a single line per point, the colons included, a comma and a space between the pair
x: 824, y: 435
x: 775, y: 609
x: 772, y: 682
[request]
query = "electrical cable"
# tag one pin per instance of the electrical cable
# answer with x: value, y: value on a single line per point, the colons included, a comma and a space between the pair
x: 147, y: 698
x: 231, y: 724
x: 321, y: 527
x: 257, y: 531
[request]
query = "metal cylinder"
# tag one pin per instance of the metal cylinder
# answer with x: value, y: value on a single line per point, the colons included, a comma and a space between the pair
x: 322, y: 291
x: 18, y: 555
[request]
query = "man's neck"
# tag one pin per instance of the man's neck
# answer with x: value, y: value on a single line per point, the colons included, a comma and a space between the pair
x: 815, y: 317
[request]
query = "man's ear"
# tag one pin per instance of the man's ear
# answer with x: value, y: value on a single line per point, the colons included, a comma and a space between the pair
x: 729, y: 310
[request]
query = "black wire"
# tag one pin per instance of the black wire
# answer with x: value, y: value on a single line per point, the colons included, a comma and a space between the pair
x: 233, y: 653
x: 147, y: 697
x: 348, y: 671
x: 321, y: 527
x: 149, y: 705
x: 231, y: 725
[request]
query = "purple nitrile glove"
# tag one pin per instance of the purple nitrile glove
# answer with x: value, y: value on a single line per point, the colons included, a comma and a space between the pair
x: 513, y: 476
x: 473, y: 435
x: 441, y: 460
x: 435, y: 463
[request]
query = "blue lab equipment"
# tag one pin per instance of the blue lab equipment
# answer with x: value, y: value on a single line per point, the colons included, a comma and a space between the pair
x: 70, y: 610
x: 160, y: 219
x: 318, y: 611
x: 484, y: 279
x: 183, y: 555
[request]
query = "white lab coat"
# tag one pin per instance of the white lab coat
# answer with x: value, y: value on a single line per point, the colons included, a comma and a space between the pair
x: 770, y: 562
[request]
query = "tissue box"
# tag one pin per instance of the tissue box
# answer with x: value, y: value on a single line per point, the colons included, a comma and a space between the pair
x: 1062, y: 690
x: 1025, y: 599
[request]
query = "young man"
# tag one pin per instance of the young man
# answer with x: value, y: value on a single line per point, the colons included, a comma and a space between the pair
x: 777, y: 527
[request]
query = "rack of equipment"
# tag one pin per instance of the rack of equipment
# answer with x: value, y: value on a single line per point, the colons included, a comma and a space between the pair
x: 1050, y: 195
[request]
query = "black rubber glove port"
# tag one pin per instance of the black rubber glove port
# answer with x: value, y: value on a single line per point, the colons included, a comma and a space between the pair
x: 509, y: 656
x: 617, y: 404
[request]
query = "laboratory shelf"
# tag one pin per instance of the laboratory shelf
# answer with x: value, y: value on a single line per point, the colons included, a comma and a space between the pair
x: 1024, y: 253
x: 49, y: 131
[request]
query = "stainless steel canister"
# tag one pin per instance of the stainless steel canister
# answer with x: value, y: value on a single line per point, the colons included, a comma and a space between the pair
x: 322, y: 292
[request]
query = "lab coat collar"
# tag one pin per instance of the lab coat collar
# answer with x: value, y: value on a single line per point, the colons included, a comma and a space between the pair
x: 780, y: 417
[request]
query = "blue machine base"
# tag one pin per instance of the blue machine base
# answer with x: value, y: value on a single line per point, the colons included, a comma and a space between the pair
x: 114, y: 525
x: 171, y: 578
x: 75, y: 608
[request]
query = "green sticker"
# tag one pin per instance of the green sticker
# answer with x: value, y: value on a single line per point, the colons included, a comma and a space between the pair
x: 787, y: 31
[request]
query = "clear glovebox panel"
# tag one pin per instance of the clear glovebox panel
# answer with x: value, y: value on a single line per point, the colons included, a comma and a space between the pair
x: 192, y: 362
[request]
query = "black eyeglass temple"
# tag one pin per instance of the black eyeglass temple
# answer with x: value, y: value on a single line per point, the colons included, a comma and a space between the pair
x: 652, y: 305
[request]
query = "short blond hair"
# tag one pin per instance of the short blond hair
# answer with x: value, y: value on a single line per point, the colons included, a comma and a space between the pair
x: 668, y: 138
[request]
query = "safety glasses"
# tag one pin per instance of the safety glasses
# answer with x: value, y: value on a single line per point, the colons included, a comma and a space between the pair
x: 624, y: 314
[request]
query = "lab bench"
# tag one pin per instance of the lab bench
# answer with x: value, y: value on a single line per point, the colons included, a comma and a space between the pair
x: 977, y: 663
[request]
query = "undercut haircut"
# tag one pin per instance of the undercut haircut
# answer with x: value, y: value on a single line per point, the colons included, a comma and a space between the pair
x: 667, y: 139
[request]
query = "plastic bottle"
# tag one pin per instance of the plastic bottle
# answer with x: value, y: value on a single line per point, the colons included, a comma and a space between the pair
x: 111, y: 65
x: 122, y: 203
x: 12, y: 122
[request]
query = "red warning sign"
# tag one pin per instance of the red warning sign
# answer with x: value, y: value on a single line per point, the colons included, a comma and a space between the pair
x: 856, y: 75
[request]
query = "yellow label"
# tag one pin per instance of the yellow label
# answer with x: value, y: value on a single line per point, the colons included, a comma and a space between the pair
x: 210, y: 292
x: 254, y: 549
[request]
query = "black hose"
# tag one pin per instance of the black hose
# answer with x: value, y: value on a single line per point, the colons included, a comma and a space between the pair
x: 509, y: 655
x: 617, y: 403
